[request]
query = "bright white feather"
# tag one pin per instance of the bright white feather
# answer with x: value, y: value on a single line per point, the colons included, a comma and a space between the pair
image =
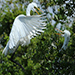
x: 66, y: 35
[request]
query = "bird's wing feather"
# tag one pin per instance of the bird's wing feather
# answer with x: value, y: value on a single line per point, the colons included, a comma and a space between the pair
x: 25, y: 26
x: 33, y: 23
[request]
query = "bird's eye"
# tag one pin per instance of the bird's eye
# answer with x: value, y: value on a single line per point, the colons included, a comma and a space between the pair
x: 34, y: 7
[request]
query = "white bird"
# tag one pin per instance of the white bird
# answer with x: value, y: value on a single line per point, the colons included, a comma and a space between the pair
x: 66, y: 34
x: 24, y: 28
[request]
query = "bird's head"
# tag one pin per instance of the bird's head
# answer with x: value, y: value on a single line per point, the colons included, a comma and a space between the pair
x: 33, y: 6
x: 66, y: 33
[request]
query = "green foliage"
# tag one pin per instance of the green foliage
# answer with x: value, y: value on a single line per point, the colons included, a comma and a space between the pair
x: 39, y: 57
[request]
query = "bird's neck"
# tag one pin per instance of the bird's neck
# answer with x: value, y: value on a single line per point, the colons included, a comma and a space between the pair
x: 28, y: 10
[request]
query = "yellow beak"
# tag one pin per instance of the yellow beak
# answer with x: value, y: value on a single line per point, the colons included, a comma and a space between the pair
x: 59, y: 31
x: 39, y: 10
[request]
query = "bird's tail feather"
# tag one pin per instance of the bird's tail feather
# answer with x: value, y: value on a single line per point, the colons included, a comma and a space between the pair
x: 5, y: 51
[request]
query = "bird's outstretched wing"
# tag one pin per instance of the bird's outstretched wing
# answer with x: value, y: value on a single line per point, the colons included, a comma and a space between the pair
x: 25, y: 27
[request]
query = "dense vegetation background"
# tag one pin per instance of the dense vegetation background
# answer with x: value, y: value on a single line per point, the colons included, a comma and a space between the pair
x: 40, y: 57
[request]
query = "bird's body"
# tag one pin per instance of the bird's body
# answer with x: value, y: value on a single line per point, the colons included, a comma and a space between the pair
x: 24, y: 28
x: 66, y: 34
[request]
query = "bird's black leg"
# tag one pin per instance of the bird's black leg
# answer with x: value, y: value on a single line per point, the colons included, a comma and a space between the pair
x: 15, y: 61
x: 18, y: 64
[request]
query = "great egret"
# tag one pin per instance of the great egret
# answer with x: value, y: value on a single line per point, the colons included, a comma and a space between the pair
x: 66, y: 34
x: 23, y: 29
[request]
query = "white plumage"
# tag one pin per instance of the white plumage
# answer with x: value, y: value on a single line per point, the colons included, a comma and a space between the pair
x: 31, y: 7
x: 24, y: 28
x: 66, y: 34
